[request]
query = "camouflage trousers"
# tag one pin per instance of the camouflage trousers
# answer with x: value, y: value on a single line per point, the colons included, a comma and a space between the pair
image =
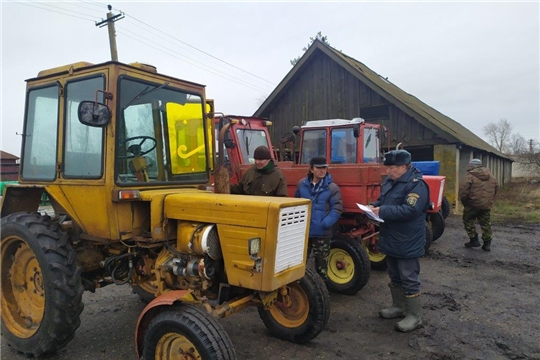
x: 320, y: 246
x: 470, y: 215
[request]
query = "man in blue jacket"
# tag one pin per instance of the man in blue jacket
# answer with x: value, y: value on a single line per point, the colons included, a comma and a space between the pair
x: 402, y: 204
x: 326, y: 209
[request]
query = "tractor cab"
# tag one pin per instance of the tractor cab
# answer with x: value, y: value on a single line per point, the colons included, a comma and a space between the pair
x: 340, y: 141
x: 99, y: 136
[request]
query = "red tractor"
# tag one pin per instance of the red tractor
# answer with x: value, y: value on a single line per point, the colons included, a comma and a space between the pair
x: 353, y: 149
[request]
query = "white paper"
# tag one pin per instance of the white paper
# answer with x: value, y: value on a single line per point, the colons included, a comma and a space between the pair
x: 370, y: 214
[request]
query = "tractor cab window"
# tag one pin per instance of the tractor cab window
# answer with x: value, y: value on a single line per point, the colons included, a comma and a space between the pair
x: 83, y: 145
x: 371, y: 145
x: 344, y: 148
x: 249, y: 140
x: 40, y: 134
x: 313, y: 144
x: 163, y: 135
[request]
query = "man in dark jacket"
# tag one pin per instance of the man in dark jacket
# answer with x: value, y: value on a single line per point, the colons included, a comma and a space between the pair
x: 263, y: 178
x: 402, y: 204
x: 326, y: 209
x: 477, y: 193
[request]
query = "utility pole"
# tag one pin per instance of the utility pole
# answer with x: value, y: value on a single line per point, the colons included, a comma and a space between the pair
x: 111, y: 19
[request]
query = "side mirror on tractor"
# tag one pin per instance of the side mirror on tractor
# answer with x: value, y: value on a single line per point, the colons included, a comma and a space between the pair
x: 94, y: 114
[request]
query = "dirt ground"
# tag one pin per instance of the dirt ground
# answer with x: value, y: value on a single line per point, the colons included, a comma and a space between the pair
x: 477, y: 305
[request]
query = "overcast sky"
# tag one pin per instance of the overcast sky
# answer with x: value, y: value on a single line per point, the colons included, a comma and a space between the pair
x: 475, y: 62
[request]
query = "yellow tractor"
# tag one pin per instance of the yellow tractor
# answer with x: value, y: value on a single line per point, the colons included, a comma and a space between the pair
x: 124, y: 155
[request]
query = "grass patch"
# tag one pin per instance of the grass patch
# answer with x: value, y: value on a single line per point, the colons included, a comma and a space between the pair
x: 517, y: 202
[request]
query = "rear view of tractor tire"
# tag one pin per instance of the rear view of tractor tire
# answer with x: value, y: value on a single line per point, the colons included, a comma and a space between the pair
x: 303, y: 313
x: 186, y: 331
x: 446, y: 207
x: 41, y: 287
x: 437, y: 223
x: 429, y: 236
x: 348, y: 266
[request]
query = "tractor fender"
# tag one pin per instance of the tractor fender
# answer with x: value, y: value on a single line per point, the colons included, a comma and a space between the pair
x: 166, y: 299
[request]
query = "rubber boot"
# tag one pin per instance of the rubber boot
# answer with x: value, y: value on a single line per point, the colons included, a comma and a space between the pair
x: 473, y: 242
x: 413, y: 319
x: 398, y: 304
x: 487, y: 245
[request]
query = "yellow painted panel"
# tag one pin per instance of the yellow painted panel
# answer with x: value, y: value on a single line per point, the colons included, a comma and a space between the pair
x: 186, y: 138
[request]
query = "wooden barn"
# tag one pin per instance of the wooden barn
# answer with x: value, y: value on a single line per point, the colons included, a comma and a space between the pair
x: 327, y: 84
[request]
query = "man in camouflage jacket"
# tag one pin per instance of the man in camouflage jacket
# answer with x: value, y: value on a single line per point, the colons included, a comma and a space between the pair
x: 477, y: 194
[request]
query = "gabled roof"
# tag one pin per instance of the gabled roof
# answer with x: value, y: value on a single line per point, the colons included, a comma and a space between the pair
x: 8, y: 156
x: 412, y: 106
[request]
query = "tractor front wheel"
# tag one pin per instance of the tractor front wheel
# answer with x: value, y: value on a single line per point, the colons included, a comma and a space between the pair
x: 348, y: 266
x: 302, y: 312
x: 41, y: 287
x: 186, y: 331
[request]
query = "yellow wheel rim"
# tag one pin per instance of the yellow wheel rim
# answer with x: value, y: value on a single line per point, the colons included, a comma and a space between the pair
x: 340, y: 267
x: 373, y: 252
x: 291, y: 310
x: 175, y: 346
x: 23, y: 292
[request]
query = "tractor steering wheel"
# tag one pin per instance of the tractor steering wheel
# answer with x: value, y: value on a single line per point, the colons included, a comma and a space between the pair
x: 135, y: 149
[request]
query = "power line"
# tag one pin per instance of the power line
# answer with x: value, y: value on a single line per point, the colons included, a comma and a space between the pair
x: 75, y: 14
x: 83, y: 5
x: 213, y: 72
x: 193, y: 47
x: 196, y: 64
x: 42, y: 8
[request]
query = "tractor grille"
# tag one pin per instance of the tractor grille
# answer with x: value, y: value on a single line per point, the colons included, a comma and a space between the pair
x: 291, y: 236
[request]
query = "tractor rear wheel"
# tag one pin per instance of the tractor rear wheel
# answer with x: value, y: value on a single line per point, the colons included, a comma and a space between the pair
x: 186, y: 331
x: 348, y: 266
x: 376, y: 258
x: 302, y: 313
x: 41, y: 287
x: 437, y: 223
x: 429, y: 236
x: 446, y: 207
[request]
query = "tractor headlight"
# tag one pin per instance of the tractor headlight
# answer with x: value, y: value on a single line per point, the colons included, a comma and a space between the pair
x: 254, y: 246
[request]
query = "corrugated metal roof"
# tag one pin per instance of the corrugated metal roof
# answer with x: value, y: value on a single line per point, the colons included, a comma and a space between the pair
x: 443, y: 125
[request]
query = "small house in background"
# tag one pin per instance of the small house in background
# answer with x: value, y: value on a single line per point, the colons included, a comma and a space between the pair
x: 9, y: 166
x: 327, y: 84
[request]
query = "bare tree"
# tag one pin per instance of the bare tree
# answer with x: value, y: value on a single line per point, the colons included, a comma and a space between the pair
x: 517, y: 145
x: 499, y: 134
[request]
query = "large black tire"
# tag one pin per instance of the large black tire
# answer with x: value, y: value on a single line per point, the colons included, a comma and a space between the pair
x: 429, y: 237
x: 348, y: 266
x: 437, y: 224
x: 445, y: 207
x: 186, y: 329
x: 41, y: 298
x: 306, y: 313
